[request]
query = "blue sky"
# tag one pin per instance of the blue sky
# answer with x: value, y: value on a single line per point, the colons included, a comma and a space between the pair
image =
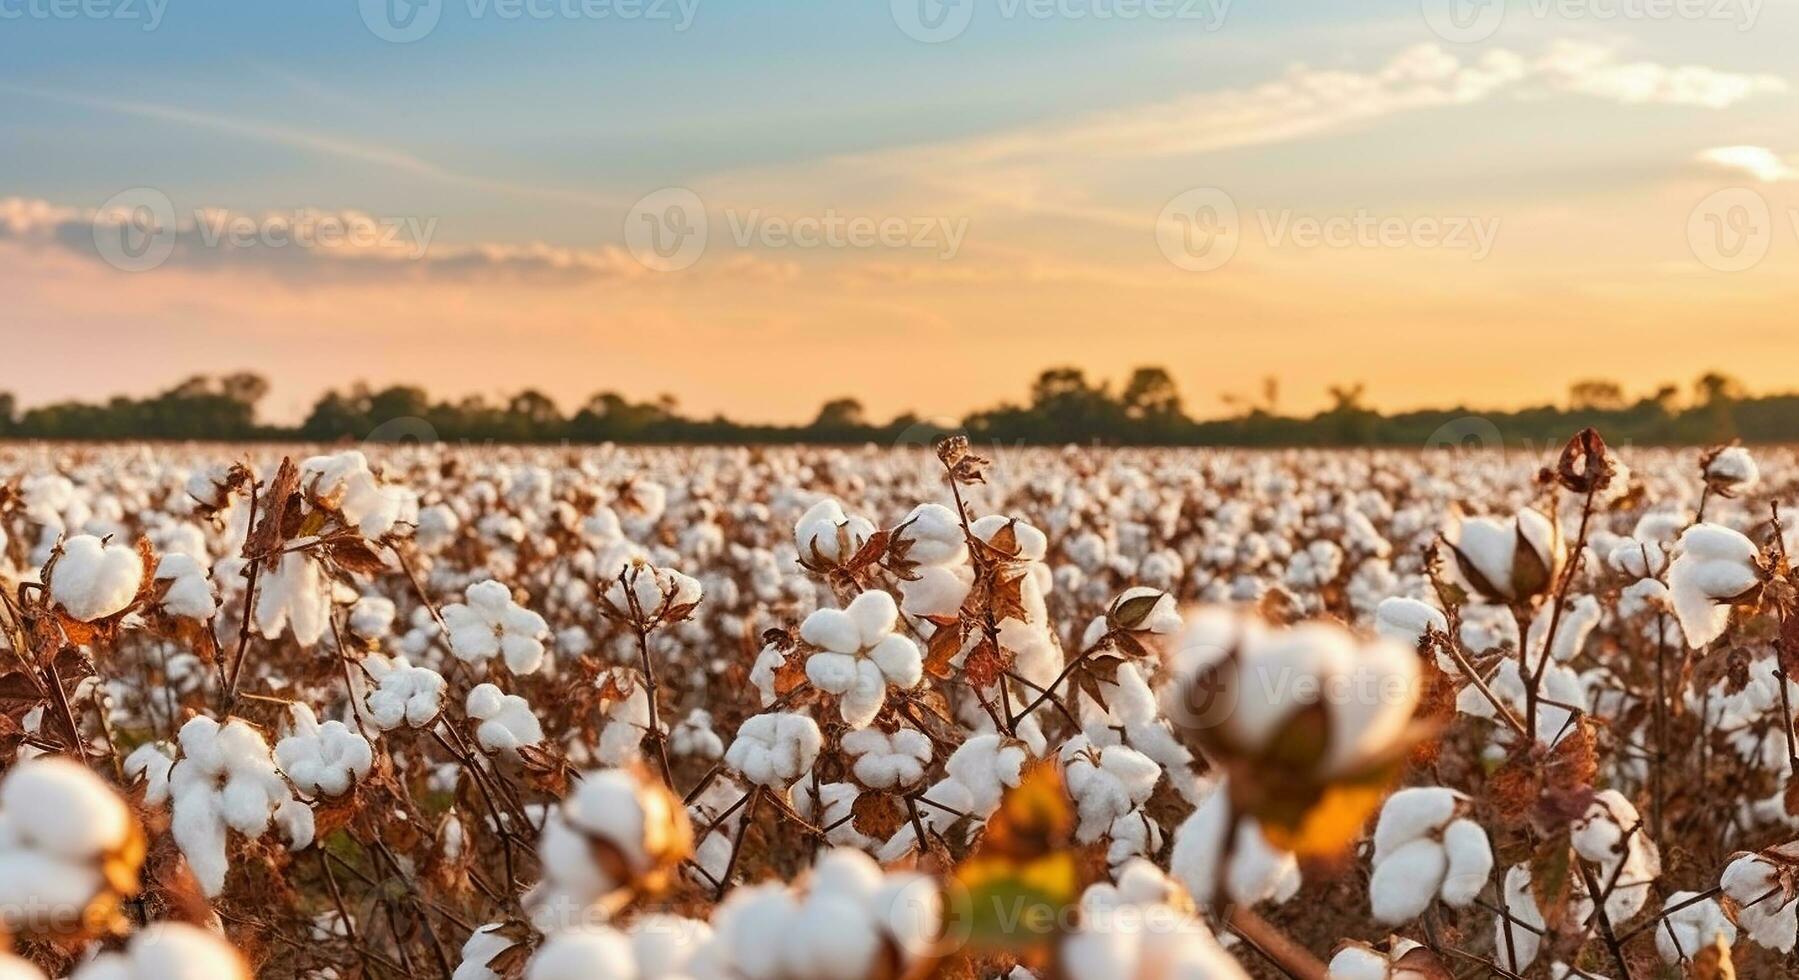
x: 1054, y: 138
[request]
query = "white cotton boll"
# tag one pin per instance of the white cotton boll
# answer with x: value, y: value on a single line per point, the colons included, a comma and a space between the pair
x: 168, y: 951
x: 936, y: 536
x: 1358, y: 963
x: 507, y: 722
x: 1483, y: 552
x: 694, y: 736
x: 775, y: 749
x: 937, y: 592
x: 831, y: 629
x: 188, y: 593
x: 372, y: 617
x: 1470, y: 862
x: 224, y: 780
x: 489, y: 622
x: 1032, y: 544
x: 826, y: 531
x: 1715, y: 565
x: 322, y: 759
x: 405, y: 695
x: 1638, y: 559
x: 61, y: 808
x: 1405, y: 620
x: 590, y: 953
x: 1412, y: 813
x: 1519, y: 937
x: 1732, y: 471
x: 1162, y: 617
x: 861, y: 655
x: 1764, y: 913
x: 92, y: 580
x: 344, y: 483
x: 1403, y: 884
x: 886, y: 761
x: 665, y: 945
x: 1258, y: 872
x: 151, y: 763
x: 986, y: 765
x: 482, y: 946
x: 1683, y: 933
x: 292, y: 594
x: 1106, y: 784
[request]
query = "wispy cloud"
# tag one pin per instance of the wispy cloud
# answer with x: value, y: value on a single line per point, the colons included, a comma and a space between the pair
x: 1757, y: 161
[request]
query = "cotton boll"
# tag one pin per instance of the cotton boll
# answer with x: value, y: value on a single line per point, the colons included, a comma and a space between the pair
x: 168, y: 951
x: 188, y: 592
x: 1258, y: 872
x: 886, y: 761
x: 1404, y: 620
x: 92, y: 581
x: 1715, y: 566
x: 372, y: 617
x: 1764, y: 912
x: 1519, y: 937
x: 322, y: 760
x: 826, y: 534
x: 1731, y: 471
x: 482, y: 946
x: 489, y: 622
x: 506, y: 720
x: 405, y: 695
x: 1405, y: 882
x: 935, y: 535
x: 774, y: 749
x: 292, y: 593
x: 1686, y: 931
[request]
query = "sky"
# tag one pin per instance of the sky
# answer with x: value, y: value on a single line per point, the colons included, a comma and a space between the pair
x: 758, y: 205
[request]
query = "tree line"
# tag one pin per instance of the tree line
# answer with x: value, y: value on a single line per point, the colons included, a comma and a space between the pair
x: 1063, y: 406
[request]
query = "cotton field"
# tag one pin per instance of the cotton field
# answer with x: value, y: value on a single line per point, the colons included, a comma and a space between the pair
x: 833, y: 714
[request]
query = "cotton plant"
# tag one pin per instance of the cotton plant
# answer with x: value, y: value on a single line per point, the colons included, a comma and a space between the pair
x: 857, y: 656
x: 1504, y: 559
x: 888, y: 760
x: 1691, y: 923
x: 343, y: 483
x: 695, y: 737
x: 404, y: 696
x: 773, y: 749
x: 322, y: 759
x: 1729, y: 471
x: 504, y: 723
x: 1761, y: 886
x: 1426, y: 848
x: 615, y: 832
x: 825, y: 536
x: 1114, y: 942
x: 226, y: 780
x: 1612, y: 835
x: 1715, y: 568
x: 846, y: 920
x: 92, y: 580
x: 488, y: 623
